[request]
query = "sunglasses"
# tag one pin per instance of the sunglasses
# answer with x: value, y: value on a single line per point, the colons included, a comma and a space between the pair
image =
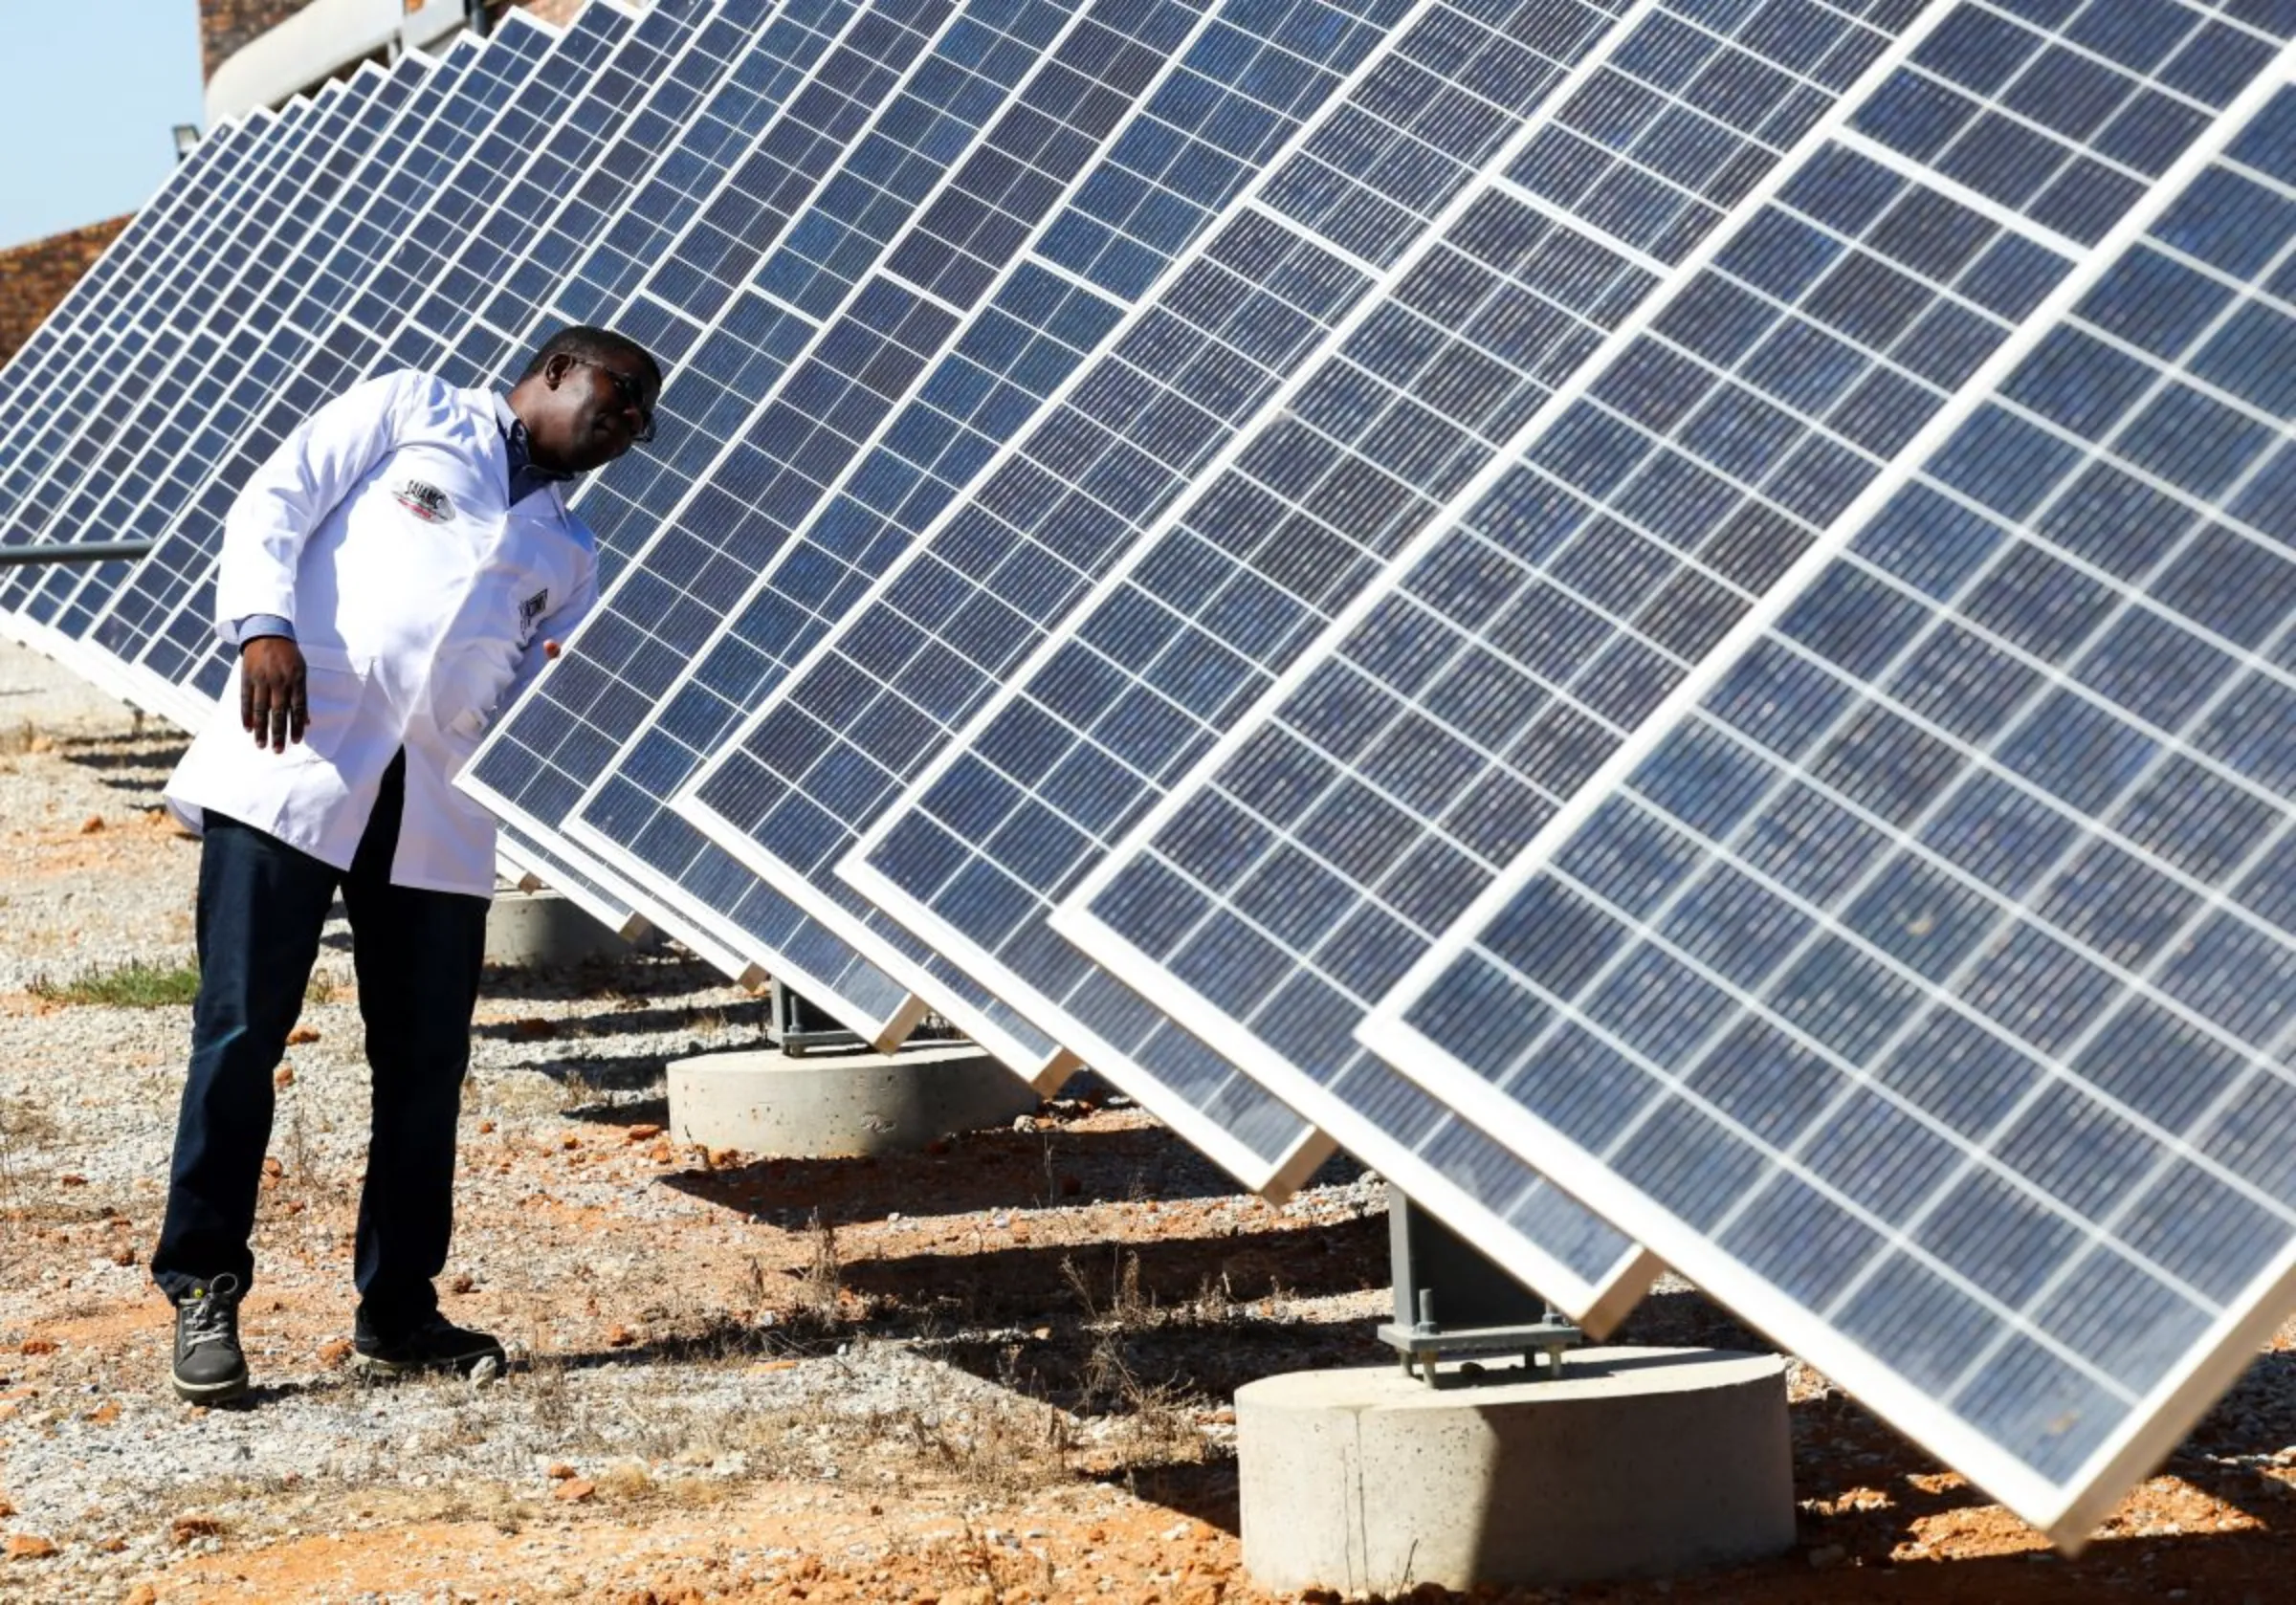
x: 632, y: 394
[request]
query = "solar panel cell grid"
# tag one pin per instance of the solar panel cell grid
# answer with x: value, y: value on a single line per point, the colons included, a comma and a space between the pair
x: 292, y: 290
x: 1471, y: 692
x: 90, y: 309
x: 500, y: 249
x: 302, y: 284
x: 79, y: 417
x: 833, y: 402
x: 1474, y: 334
x: 518, y: 85
x: 1032, y: 330
x: 1966, y: 886
x: 59, y: 441
x: 689, y: 112
x: 219, y: 324
x: 1195, y: 367
x: 716, y: 376
x: 299, y: 288
x: 740, y: 362
x: 92, y: 318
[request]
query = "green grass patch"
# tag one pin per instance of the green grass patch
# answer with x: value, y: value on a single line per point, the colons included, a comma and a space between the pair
x: 133, y: 985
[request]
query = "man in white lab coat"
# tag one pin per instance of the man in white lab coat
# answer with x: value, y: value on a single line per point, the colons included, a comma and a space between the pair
x: 392, y: 576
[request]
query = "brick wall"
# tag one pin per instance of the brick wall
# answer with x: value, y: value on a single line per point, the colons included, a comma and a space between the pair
x: 225, y: 25
x: 34, y: 277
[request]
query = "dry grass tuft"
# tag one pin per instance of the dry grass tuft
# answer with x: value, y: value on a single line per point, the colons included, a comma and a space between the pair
x: 24, y: 1126
x: 824, y: 1280
x: 1151, y: 1422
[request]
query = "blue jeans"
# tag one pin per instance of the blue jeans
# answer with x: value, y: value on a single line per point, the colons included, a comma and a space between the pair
x: 417, y: 954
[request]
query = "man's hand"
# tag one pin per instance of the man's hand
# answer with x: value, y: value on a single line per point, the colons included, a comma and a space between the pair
x: 274, y: 706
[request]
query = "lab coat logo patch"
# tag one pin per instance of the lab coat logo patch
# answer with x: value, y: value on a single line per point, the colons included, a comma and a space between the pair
x: 531, y: 610
x: 427, y: 502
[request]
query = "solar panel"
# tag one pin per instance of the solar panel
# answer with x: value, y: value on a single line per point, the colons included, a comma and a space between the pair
x: 278, y: 296
x: 719, y: 155
x: 174, y: 390
x: 618, y: 230
x: 177, y: 301
x: 95, y: 299
x: 287, y: 298
x: 93, y: 337
x: 194, y: 199
x: 653, y: 139
x: 37, y: 450
x: 921, y: 128
x: 1871, y: 860
x: 636, y: 112
x: 324, y: 325
x: 1386, y: 153
x: 343, y: 230
x: 165, y: 609
x: 955, y: 203
x: 1467, y: 333
x: 783, y: 121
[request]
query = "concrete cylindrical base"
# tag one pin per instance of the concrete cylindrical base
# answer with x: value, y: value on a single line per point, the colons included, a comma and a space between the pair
x: 1636, y: 1461
x: 545, y: 930
x: 834, y: 1103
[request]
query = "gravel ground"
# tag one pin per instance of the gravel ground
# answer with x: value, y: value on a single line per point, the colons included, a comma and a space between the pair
x: 996, y: 1372
x: 672, y: 1335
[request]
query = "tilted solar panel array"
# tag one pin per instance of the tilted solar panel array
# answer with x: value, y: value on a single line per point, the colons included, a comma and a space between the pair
x: 1691, y: 593
x: 1190, y: 361
x: 687, y: 291
x: 279, y: 291
x: 494, y: 193
x: 498, y: 147
x: 488, y: 209
x: 93, y: 366
x: 386, y: 243
x: 290, y: 295
x: 172, y: 408
x: 463, y: 218
x: 129, y: 426
x: 669, y: 271
x: 1041, y: 219
x: 1900, y: 942
x: 101, y: 294
x: 1469, y: 331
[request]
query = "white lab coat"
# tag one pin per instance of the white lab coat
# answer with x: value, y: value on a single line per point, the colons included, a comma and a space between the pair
x: 420, y: 600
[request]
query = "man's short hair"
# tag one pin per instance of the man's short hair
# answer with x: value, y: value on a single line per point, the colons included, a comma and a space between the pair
x: 592, y: 346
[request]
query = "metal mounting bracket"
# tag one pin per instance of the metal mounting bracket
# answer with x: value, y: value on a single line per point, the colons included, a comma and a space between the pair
x: 1488, y: 1312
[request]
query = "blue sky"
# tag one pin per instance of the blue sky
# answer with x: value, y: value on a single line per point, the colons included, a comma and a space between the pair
x: 94, y: 89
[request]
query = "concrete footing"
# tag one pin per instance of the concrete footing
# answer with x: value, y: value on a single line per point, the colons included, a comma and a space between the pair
x: 836, y: 1103
x: 545, y: 930
x: 1637, y: 1461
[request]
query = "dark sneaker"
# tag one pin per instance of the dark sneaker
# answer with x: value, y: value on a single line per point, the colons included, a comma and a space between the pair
x: 438, y: 1344
x: 209, y: 1366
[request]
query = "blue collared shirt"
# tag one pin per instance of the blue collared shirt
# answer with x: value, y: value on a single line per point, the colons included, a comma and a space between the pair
x: 518, y: 449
